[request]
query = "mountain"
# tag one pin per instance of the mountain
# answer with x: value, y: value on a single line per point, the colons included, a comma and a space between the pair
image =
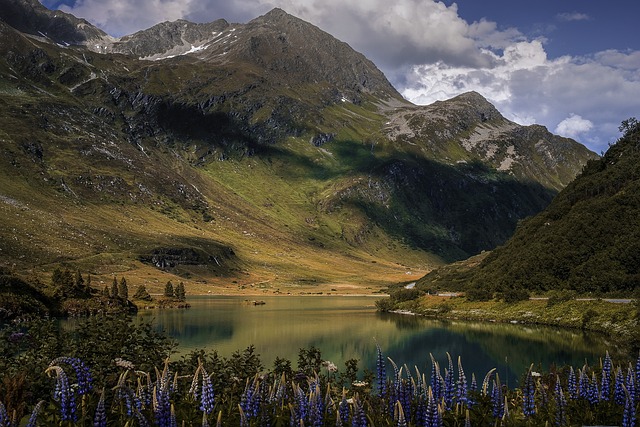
x: 269, y: 154
x: 585, y: 241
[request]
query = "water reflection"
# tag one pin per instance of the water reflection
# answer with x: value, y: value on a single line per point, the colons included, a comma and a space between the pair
x: 345, y: 327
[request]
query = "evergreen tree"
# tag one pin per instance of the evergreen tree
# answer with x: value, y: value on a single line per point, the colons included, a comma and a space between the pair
x: 88, y: 284
x: 114, y: 288
x: 180, y: 292
x: 142, y: 294
x: 106, y: 292
x: 62, y: 282
x: 123, y: 289
x: 168, y: 289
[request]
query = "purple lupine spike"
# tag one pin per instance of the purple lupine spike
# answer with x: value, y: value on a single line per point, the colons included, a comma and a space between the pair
x: 619, y: 395
x: 82, y: 372
x: 449, y: 384
x: 561, y: 405
x: 359, y: 418
x: 583, y: 384
x: 461, y: 384
x: 100, y: 417
x: 572, y: 384
x: 528, y: 395
x: 63, y: 394
x: 399, y: 418
x: 5, y: 420
x: 343, y: 409
x: 592, y: 392
x: 497, y: 399
x: 435, y: 383
x: 433, y: 417
x: 33, y: 418
x: 381, y: 372
x: 605, y: 384
x: 316, y: 407
x: 485, y: 382
x: 630, y: 384
x: 629, y: 415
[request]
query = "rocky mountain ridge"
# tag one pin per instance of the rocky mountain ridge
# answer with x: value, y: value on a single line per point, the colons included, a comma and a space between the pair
x: 266, y: 156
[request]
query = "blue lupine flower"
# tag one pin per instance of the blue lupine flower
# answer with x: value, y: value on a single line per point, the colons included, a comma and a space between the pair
x: 629, y: 414
x: 605, y: 385
x: 34, y: 414
x: 343, y: 409
x: 5, y: 421
x: 561, y: 405
x: 381, y: 372
x: 497, y: 399
x: 63, y: 394
x: 434, y: 417
x: 100, y: 418
x: 359, y: 418
x: 316, y: 407
x: 399, y: 417
x: 207, y: 396
x: 572, y: 384
x: 592, y: 392
x: 583, y: 384
x: 436, y: 379
x: 461, y: 389
x: 619, y: 395
x: 449, y: 385
x: 485, y: 382
x: 528, y: 395
x: 631, y: 385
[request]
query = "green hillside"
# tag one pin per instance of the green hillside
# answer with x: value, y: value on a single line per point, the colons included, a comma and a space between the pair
x: 248, y: 165
x: 585, y: 241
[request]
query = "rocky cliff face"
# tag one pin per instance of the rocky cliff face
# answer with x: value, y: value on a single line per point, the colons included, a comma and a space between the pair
x: 272, y: 139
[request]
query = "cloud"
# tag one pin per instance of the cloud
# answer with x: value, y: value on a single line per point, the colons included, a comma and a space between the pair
x: 573, y: 126
x: 573, y: 16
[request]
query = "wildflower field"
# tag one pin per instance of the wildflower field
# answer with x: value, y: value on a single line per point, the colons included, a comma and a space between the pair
x: 108, y: 372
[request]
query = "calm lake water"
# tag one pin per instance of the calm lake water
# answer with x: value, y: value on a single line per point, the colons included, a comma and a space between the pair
x: 348, y: 327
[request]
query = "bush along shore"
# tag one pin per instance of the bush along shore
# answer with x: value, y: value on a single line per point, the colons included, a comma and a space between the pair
x: 108, y: 377
x: 620, y: 321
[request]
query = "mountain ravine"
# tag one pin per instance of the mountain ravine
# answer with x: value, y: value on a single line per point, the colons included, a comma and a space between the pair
x: 267, y: 155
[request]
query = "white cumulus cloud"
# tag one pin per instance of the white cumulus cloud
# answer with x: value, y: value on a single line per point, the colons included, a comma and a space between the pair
x: 573, y: 126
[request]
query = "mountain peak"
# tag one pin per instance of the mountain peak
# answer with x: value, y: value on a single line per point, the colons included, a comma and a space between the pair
x: 31, y: 17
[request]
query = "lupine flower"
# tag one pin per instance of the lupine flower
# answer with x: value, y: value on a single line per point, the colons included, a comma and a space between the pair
x: 399, y: 416
x: 497, y: 399
x: 435, y: 383
x: 592, y: 393
x: 5, y: 421
x: 583, y: 384
x: 572, y: 384
x: 359, y: 418
x: 461, y: 389
x: 485, y: 382
x: 381, y: 372
x: 561, y: 405
x: 434, y: 417
x: 528, y: 395
x: 629, y: 414
x: 449, y: 384
x: 316, y: 407
x: 605, y: 385
x: 631, y: 385
x: 83, y: 375
x: 33, y: 419
x: 63, y: 394
x: 619, y: 395
x: 100, y: 418
x: 343, y: 409
x: 161, y: 402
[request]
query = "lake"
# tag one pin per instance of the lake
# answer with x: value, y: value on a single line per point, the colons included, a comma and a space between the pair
x: 348, y: 327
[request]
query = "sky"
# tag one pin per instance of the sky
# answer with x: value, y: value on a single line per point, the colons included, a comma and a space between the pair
x: 570, y: 65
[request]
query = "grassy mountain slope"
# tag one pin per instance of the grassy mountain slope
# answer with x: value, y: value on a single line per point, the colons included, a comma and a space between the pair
x: 255, y: 161
x: 585, y: 241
